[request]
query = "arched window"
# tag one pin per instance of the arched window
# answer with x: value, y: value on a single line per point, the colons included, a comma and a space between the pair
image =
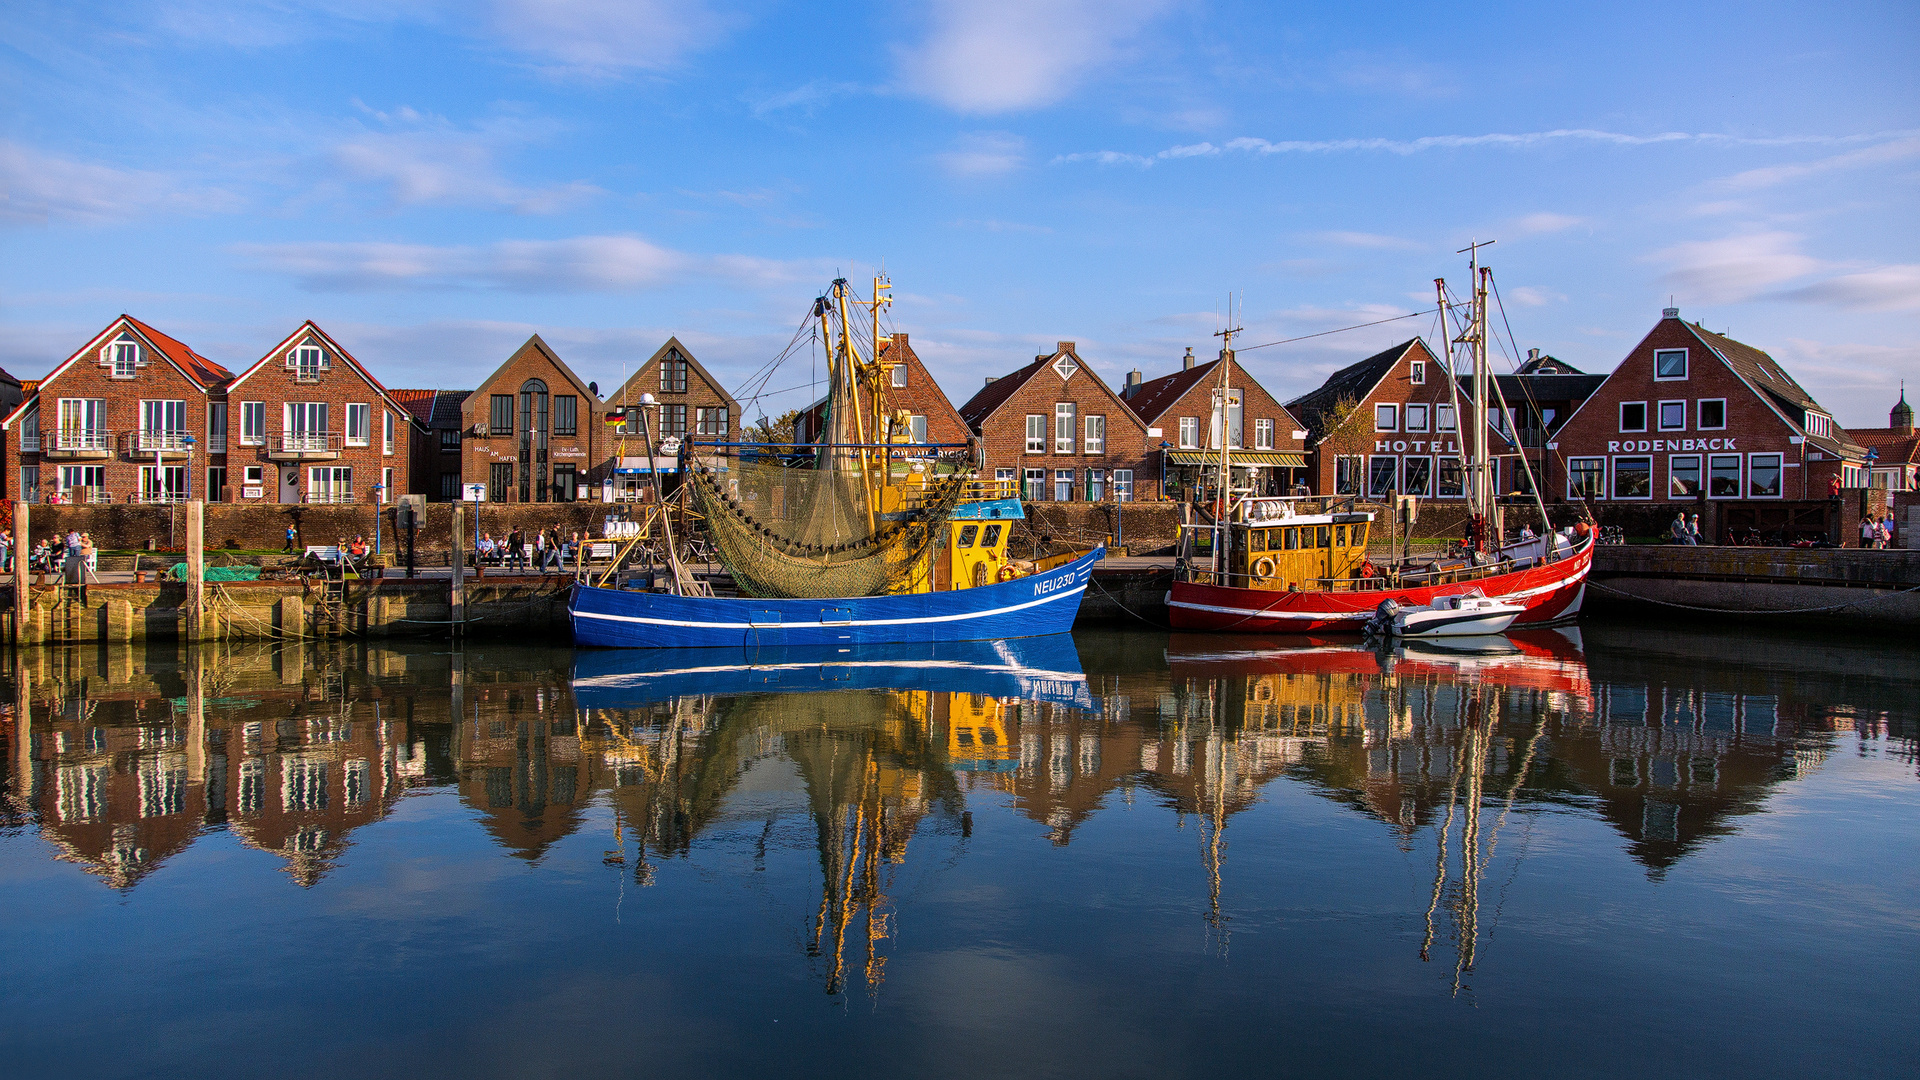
x: 534, y: 429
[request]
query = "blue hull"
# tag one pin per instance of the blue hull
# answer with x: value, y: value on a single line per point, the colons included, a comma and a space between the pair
x: 1029, y: 669
x: 1045, y: 603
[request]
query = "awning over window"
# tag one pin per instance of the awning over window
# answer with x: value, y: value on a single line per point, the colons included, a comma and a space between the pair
x: 1242, y: 458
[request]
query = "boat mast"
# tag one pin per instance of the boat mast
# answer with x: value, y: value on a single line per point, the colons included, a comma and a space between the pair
x: 1223, y: 395
x: 1475, y: 338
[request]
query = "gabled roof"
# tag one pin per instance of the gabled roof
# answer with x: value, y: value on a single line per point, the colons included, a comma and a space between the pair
x: 1765, y: 375
x: 417, y: 402
x: 203, y: 373
x: 6, y: 378
x: 1156, y: 396
x: 1892, y: 446
x: 446, y: 408
x: 1354, y: 381
x: 312, y: 329
x: 990, y: 397
x: 671, y: 344
x: 1546, y: 365
x: 545, y: 350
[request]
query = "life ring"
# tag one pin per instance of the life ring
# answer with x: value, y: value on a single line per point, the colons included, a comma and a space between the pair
x: 1263, y: 567
x: 1007, y: 572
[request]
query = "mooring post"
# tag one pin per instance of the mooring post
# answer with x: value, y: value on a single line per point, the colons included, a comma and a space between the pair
x: 457, y: 594
x: 196, y: 569
x: 22, y: 730
x: 22, y: 598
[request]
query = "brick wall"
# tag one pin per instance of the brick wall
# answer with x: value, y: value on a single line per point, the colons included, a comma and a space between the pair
x: 1003, y: 434
x: 264, y: 526
x: 289, y: 477
x: 922, y: 396
x: 584, y: 450
x: 1361, y: 434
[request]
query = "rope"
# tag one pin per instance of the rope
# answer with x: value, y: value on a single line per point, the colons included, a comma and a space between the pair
x: 1095, y: 582
x: 1324, y: 333
x: 1741, y: 611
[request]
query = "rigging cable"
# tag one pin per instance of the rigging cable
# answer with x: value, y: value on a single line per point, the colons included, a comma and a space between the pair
x: 1324, y: 333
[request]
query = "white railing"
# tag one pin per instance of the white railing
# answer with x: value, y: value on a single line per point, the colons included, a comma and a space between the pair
x: 148, y: 442
x: 82, y: 439
x: 334, y: 495
x: 216, y: 444
x: 304, y: 442
x: 158, y: 497
x: 29, y: 444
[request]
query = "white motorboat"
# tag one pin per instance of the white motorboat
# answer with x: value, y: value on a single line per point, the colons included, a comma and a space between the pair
x: 1459, y: 615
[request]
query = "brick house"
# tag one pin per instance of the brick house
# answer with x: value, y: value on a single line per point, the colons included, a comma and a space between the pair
x: 1701, y: 421
x: 435, y: 461
x: 1268, y: 444
x: 912, y: 389
x: 1061, y: 433
x: 1894, y: 450
x: 310, y: 424
x: 127, y: 418
x: 530, y: 431
x: 1388, y: 424
x: 691, y: 403
x: 1540, y: 397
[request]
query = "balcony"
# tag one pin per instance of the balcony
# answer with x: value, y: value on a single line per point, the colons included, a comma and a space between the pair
x: 304, y: 446
x: 333, y: 495
x: 79, y: 444
x: 146, y: 445
x: 29, y: 444
x: 158, y: 498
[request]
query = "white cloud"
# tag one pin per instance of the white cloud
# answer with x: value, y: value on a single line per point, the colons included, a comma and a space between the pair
x: 576, y: 264
x: 605, y: 37
x: 809, y: 98
x: 1371, y: 241
x: 1886, y: 288
x: 436, y: 165
x: 997, y: 56
x: 1534, y: 296
x: 1898, y: 150
x: 1548, y: 223
x: 984, y: 153
x: 37, y: 187
x: 1733, y: 268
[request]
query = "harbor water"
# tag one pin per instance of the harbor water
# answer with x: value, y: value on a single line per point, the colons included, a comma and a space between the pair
x: 1630, y: 849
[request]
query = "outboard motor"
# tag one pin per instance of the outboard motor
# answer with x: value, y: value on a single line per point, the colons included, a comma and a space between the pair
x: 1381, y: 624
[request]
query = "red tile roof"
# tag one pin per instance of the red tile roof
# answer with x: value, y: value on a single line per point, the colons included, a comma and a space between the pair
x: 1894, y: 447
x: 1156, y: 396
x: 198, y: 368
x: 417, y: 402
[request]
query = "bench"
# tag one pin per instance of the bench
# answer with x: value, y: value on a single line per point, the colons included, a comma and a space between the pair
x: 328, y: 553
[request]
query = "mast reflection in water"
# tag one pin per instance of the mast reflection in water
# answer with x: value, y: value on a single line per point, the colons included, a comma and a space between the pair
x: 908, y: 825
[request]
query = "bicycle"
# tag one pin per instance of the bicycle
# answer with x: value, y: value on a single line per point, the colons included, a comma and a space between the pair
x: 1612, y: 535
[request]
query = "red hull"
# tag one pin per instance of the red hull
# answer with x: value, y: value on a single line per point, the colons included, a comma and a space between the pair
x: 1551, y: 593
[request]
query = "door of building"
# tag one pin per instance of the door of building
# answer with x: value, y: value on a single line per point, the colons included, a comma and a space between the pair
x: 289, y: 485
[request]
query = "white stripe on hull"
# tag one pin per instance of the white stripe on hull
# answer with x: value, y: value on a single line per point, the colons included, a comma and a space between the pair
x: 1360, y: 616
x: 924, y: 620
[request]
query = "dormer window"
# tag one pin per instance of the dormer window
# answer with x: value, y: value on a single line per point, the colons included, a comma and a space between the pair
x: 1065, y: 367
x: 308, y: 361
x: 125, y: 358
x: 1819, y: 426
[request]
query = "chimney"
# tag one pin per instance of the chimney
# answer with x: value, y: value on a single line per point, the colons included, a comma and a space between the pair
x: 1670, y: 313
x: 1065, y: 346
x: 1133, y: 384
x: 990, y: 379
x: 1532, y: 355
x: 1186, y: 362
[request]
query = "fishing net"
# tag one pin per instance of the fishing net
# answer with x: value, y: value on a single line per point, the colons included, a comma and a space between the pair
x: 817, y: 533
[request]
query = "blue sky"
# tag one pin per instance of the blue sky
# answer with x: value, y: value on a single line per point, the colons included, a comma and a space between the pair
x: 433, y: 181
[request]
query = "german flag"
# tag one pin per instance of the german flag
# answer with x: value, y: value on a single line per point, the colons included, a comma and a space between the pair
x: 616, y: 417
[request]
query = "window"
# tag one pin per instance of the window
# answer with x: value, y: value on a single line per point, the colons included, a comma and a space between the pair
x: 1123, y: 485
x: 500, y: 414
x: 898, y: 374
x: 307, y: 361
x: 1263, y: 434
x: 1063, y: 485
x: 450, y: 486
x: 1416, y: 418
x: 30, y: 483
x: 1417, y: 371
x: 1189, y: 433
x: 1633, y: 478
x: 1763, y: 476
x: 673, y: 420
x: 125, y: 359
x: 1036, y: 433
x: 566, y: 414
x: 1004, y: 477
x: 1096, y: 484
x: 1443, y: 418
x: 30, y: 431
x: 1673, y: 416
x: 216, y: 427
x: 673, y: 374
x: 83, y: 425
x: 712, y: 422
x: 1096, y: 441
x: 1386, y: 418
x: 918, y: 429
x: 1670, y: 364
x: 1346, y: 474
x: 359, y: 418
x: 386, y: 433
x: 253, y: 475
x: 166, y: 484
x: 1453, y: 482
x: 1065, y: 367
x: 387, y: 494
x: 82, y: 476
x: 304, y: 425
x: 1415, y: 475
x: 1586, y: 478
x: 1713, y: 414
x: 1633, y: 416
x: 1383, y: 476
x: 499, y: 479
x: 1032, y: 481
x: 1063, y: 417
x: 1683, y: 477
x: 1818, y: 425
x: 566, y: 485
x: 163, y: 425
x: 253, y: 423
x: 1723, y: 476
x: 330, y: 484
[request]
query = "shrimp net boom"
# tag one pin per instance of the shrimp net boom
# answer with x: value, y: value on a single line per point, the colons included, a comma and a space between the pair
x: 857, y: 513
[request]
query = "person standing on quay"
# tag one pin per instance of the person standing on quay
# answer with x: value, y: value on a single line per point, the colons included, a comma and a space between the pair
x: 517, y: 550
x: 1866, y: 531
x: 293, y: 537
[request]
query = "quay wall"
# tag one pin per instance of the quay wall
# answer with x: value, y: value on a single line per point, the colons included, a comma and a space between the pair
x: 230, y: 525
x: 1830, y: 587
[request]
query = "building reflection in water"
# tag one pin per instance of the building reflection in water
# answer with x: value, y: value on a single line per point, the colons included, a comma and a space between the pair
x: 122, y: 757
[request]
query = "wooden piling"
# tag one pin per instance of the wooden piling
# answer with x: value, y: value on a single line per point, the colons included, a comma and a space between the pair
x: 22, y: 596
x: 457, y: 594
x: 196, y: 570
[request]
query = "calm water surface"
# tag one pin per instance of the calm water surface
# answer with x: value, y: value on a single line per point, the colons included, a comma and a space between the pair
x: 1638, y: 851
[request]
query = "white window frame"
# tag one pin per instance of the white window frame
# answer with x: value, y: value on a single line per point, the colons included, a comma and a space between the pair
x: 1407, y: 417
x: 1699, y: 472
x: 1573, y: 472
x: 1036, y: 433
x: 1417, y: 372
x: 253, y: 423
x: 898, y: 376
x: 307, y: 362
x: 386, y: 432
x: 1443, y: 418
x: 253, y: 476
x: 1367, y: 481
x: 1033, y: 484
x: 1189, y: 433
x: 1386, y: 417
x: 360, y: 415
x: 1779, y: 475
x: 1427, y: 489
x: 1096, y: 484
x: 1686, y: 364
x: 1095, y: 440
x: 916, y: 428
x: 1263, y: 434
x: 1819, y: 425
x: 386, y: 483
x: 1065, y: 418
x: 325, y: 479
x: 1613, y: 478
x: 1359, y: 473
x: 1660, y: 415
x: 1620, y: 415
x: 1739, y: 480
x: 1699, y: 414
x: 127, y: 350
x: 1123, y: 485
x: 1063, y: 480
x: 1065, y: 367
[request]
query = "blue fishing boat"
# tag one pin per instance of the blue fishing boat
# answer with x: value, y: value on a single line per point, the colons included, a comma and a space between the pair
x: 853, y: 533
x: 1028, y: 669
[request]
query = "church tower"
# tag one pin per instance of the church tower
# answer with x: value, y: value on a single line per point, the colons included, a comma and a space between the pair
x: 1901, y: 418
